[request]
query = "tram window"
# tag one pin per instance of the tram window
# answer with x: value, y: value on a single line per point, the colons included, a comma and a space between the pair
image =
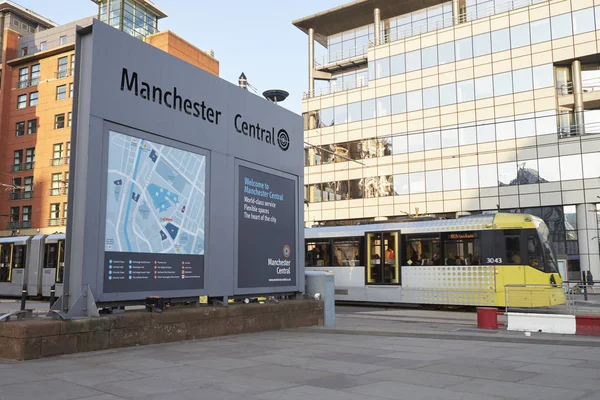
x: 51, y: 255
x: 551, y: 265
x: 5, y: 267
x: 318, y: 253
x: 19, y: 257
x: 534, y: 253
x: 421, y: 249
x: 462, y: 248
x: 346, y: 252
x: 513, y: 247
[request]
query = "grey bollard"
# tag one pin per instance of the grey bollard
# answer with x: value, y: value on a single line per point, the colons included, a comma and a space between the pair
x: 324, y: 284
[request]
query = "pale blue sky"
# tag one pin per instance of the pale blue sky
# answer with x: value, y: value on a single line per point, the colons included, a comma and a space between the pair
x: 256, y: 37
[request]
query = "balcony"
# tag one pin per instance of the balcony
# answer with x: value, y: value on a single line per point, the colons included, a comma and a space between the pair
x: 59, y: 191
x: 25, y: 83
x: 55, y: 162
x: 27, y: 166
x: 335, y: 88
x: 64, y: 73
x: 20, y: 195
x: 16, y: 225
x: 344, y: 60
x: 57, y: 221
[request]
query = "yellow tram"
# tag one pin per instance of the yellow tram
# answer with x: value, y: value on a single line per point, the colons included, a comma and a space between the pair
x: 479, y: 260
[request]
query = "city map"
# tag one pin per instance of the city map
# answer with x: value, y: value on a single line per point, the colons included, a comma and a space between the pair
x: 155, y: 198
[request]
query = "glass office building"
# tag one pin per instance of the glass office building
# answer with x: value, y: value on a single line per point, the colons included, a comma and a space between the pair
x: 463, y: 107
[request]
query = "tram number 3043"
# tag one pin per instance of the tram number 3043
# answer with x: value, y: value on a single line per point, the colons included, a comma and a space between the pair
x: 494, y: 260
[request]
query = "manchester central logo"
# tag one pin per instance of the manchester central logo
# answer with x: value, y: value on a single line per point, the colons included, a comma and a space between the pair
x: 287, y: 250
x: 283, y: 139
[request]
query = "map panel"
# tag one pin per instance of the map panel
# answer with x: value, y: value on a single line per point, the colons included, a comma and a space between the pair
x: 155, y: 200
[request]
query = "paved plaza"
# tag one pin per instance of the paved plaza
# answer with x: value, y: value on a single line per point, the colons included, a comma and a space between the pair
x: 370, y: 354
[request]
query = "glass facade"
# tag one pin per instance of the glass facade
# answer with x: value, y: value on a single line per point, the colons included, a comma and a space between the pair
x: 129, y: 16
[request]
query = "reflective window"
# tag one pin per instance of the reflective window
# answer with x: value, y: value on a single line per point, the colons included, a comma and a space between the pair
x: 415, y: 142
x: 549, y: 170
x: 503, y: 84
x: 399, y: 144
x: 486, y: 131
x: 401, y: 184
x: 505, y: 128
x: 417, y: 182
x: 540, y: 31
x: 449, y: 137
x: 397, y: 64
x: 341, y: 114
x: 448, y: 94
x: 467, y: 135
x: 561, y: 26
x: 382, y: 68
x: 451, y: 179
x: 545, y: 123
x: 482, y: 45
x: 465, y: 91
x: 500, y: 40
x: 399, y: 103
x: 446, y: 53
x: 583, y: 21
x: 543, y: 76
x: 346, y: 252
x: 519, y: 36
x: 430, y: 97
x: 487, y: 175
x: 591, y: 165
x: 368, y: 109
x: 432, y: 140
x: 429, y: 57
x: 318, y: 254
x: 522, y: 80
x: 570, y: 167
x: 464, y: 49
x: 484, y: 87
x: 414, y: 100
x: 433, y: 181
x: 383, y: 106
x: 507, y: 173
x: 525, y: 125
x: 327, y: 116
x: 354, y: 112
x: 413, y: 60
x: 527, y: 172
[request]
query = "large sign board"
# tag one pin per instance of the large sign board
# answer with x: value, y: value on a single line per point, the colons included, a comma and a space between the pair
x: 266, y: 229
x: 192, y: 185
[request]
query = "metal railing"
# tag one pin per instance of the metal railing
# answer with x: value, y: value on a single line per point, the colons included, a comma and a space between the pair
x: 348, y: 54
x: 26, y: 166
x: 56, y: 221
x: 64, y: 73
x: 566, y: 298
x: 578, y: 129
x: 59, y: 191
x: 25, y: 83
x: 55, y: 162
x: 587, y: 86
x: 331, y: 89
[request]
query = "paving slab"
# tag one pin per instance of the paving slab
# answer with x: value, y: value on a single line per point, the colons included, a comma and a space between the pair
x: 393, y: 390
x: 478, y: 372
x: 519, y: 391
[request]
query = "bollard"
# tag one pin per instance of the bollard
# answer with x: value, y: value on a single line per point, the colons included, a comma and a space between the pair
x: 52, y: 295
x: 23, y: 296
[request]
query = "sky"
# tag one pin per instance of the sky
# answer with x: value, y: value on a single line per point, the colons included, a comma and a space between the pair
x: 255, y: 37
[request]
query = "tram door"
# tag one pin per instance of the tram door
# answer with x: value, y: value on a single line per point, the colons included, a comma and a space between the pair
x: 383, y: 258
x: 54, y: 263
x: 6, y: 254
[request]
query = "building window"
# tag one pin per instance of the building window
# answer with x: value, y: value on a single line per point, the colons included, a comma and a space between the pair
x: 57, y: 154
x: 33, y: 99
x: 72, y: 63
x: 35, y: 74
x: 32, y: 126
x: 54, y: 214
x: 65, y: 213
x: 66, y: 183
x: 62, y: 40
x: 68, y: 155
x: 16, y: 190
x: 23, y: 78
x: 56, y: 184
x: 17, y: 160
x: 21, y: 101
x: 20, y: 128
x: 14, y: 218
x: 71, y: 90
x: 23, y: 51
x: 59, y: 121
x: 63, y: 67
x: 30, y: 158
x: 43, y: 46
x: 69, y: 119
x: 28, y: 187
x: 26, y: 222
x: 61, y: 92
